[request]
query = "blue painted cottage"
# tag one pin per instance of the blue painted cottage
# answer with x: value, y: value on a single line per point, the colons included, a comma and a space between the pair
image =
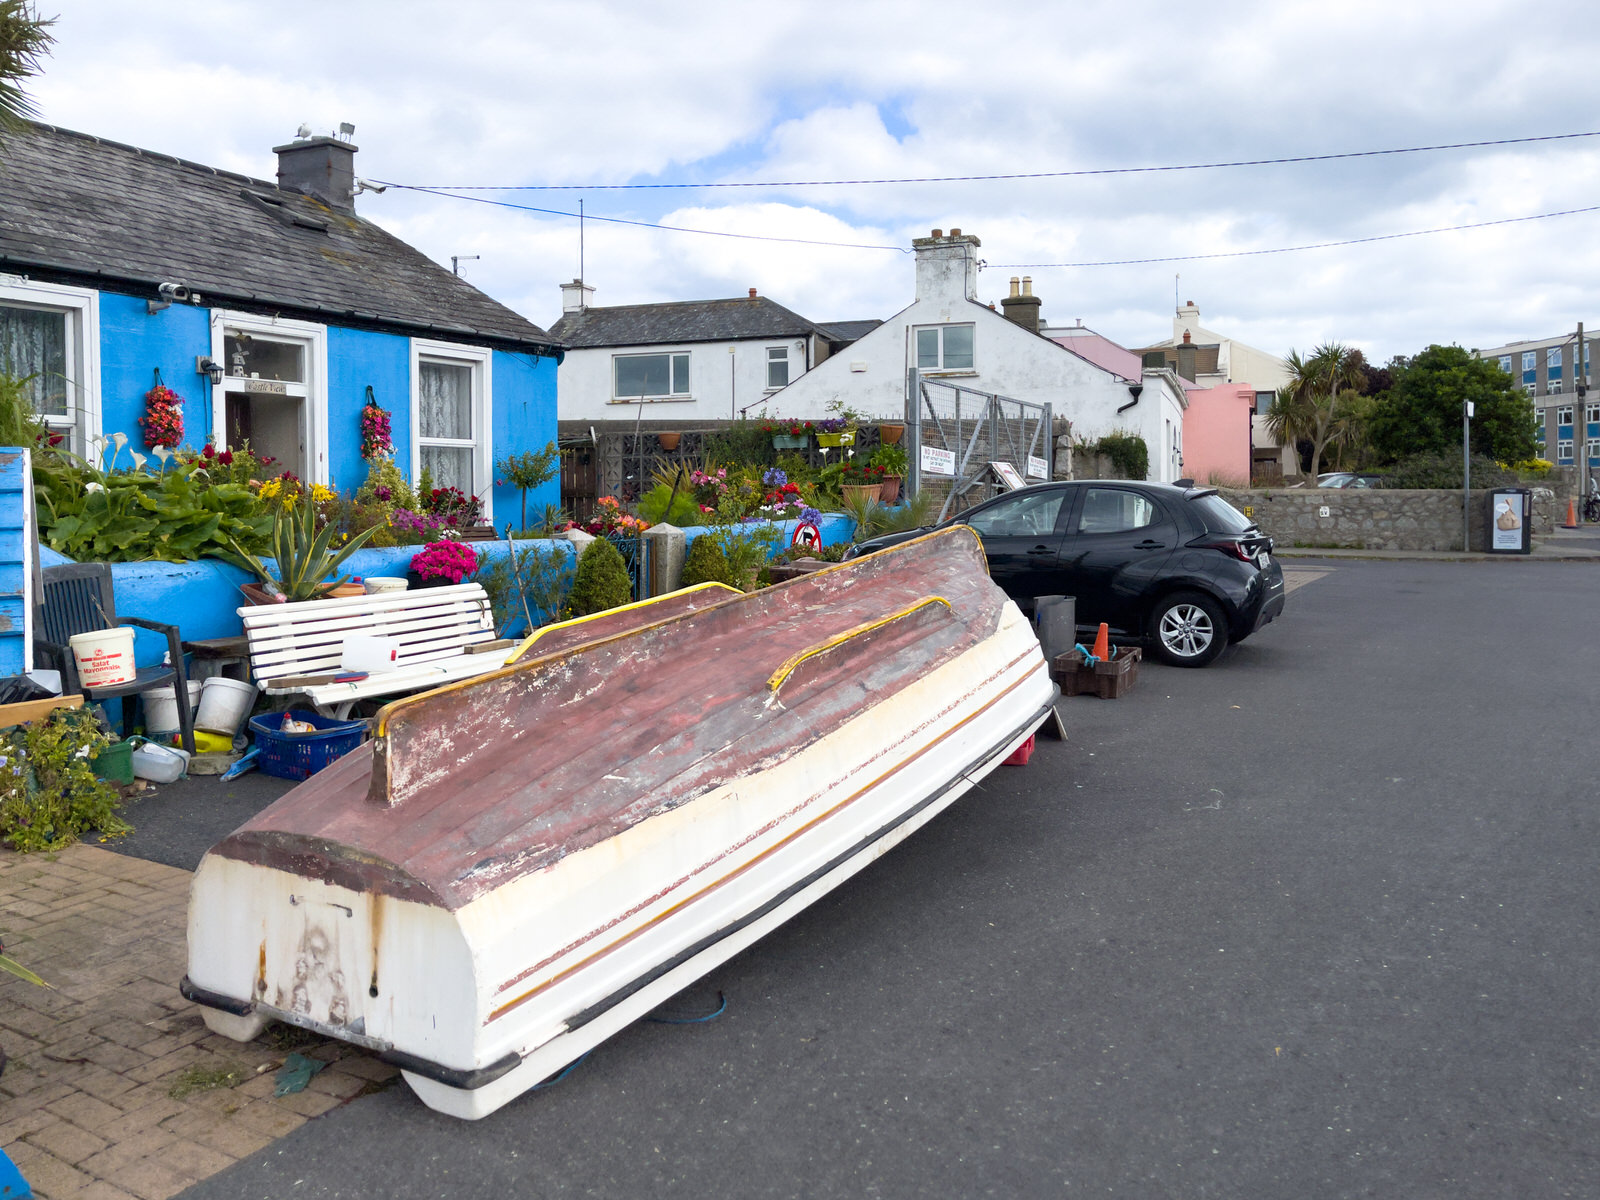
x: 272, y: 309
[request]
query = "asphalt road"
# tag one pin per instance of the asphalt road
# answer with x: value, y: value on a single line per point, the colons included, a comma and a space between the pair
x: 1318, y: 921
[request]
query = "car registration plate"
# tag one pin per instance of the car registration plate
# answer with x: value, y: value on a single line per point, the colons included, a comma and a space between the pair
x: 1265, y: 560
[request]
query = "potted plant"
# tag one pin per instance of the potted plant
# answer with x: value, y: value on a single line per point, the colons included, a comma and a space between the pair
x: 893, y: 461
x: 861, y: 480
x: 440, y: 564
x: 890, y: 432
x: 792, y: 434
x: 669, y: 441
x: 303, y: 555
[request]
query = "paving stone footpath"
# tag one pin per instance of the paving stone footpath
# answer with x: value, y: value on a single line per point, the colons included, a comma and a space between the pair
x: 115, y: 1087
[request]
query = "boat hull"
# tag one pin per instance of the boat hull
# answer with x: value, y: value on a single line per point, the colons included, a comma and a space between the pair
x: 479, y: 994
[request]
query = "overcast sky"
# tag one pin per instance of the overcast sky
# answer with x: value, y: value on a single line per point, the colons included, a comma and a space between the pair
x: 500, y: 94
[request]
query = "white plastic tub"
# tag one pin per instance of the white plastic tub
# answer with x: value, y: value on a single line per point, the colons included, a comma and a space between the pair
x: 378, y: 585
x: 161, y: 708
x: 224, y: 704
x: 159, y: 764
x: 104, y: 656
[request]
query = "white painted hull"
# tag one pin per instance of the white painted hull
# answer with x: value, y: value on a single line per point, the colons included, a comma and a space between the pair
x: 481, y: 1003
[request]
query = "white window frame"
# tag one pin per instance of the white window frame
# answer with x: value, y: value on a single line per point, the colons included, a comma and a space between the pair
x: 481, y: 360
x: 1591, y: 413
x: 1591, y: 451
x: 1564, y: 415
x: 778, y: 354
x: 670, y: 397
x: 941, y: 369
x: 81, y: 307
x: 1553, y: 388
x: 313, y: 339
x: 1564, y: 450
x: 1505, y: 363
x: 1530, y: 360
x: 1553, y: 357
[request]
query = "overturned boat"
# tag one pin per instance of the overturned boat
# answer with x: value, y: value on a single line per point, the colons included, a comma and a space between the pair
x: 519, y: 865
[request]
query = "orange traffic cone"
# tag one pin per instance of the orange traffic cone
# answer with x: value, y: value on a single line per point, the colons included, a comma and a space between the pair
x: 1102, y: 642
x: 1572, y: 515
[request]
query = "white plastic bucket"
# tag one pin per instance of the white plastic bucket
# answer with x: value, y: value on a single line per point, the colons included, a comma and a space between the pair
x: 104, y: 656
x: 224, y: 704
x: 161, y: 708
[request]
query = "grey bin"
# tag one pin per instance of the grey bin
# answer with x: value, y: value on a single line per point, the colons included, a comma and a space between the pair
x: 1055, y: 621
x: 1507, y: 521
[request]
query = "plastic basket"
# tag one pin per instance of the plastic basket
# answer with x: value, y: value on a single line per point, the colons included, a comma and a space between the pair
x: 302, y: 755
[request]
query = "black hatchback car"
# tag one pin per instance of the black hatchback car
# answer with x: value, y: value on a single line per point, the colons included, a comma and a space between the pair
x: 1178, y: 568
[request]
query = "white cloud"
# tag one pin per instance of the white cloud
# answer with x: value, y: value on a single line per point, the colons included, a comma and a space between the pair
x: 484, y: 92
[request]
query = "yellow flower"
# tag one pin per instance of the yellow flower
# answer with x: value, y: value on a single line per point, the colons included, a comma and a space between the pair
x: 320, y: 494
x: 271, y: 488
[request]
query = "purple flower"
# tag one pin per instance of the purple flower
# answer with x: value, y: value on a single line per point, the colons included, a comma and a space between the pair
x: 775, y: 477
x: 810, y: 515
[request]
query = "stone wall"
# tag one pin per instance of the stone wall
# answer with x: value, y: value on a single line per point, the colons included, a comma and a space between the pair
x: 1363, y: 519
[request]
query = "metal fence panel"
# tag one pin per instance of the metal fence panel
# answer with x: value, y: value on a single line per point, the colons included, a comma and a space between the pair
x: 977, y: 428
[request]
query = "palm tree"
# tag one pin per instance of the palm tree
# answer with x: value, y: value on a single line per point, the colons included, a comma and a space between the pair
x: 24, y: 38
x: 1314, y: 406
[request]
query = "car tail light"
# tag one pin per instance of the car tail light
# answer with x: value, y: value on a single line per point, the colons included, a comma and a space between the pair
x: 1232, y: 549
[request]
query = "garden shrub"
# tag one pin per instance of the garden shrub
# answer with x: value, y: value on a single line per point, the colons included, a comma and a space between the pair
x: 1127, y: 452
x: 526, y: 587
x: 600, y: 581
x: 706, y: 563
x: 49, y: 796
x: 1444, y: 471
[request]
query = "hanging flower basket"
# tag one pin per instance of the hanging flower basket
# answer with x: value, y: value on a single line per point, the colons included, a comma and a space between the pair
x: 789, y: 441
x: 669, y: 441
x: 376, y: 441
x: 846, y: 437
x: 163, y: 416
x: 890, y: 434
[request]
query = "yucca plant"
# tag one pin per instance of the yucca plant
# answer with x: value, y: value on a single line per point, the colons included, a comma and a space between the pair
x: 304, y: 557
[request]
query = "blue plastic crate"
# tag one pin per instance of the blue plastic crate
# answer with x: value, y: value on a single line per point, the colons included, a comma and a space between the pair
x: 302, y: 755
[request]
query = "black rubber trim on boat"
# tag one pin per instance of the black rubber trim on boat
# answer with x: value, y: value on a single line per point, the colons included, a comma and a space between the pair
x: 227, y: 1004
x: 580, y: 1019
x: 454, y: 1077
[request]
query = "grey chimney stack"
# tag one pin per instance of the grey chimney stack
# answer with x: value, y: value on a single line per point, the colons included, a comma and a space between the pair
x: 1022, y: 308
x: 324, y: 167
x: 1186, y: 357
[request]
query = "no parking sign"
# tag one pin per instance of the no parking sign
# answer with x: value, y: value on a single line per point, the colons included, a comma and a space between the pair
x: 806, y: 536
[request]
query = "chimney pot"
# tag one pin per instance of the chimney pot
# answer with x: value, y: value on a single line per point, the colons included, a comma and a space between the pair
x: 1027, y: 285
x: 1186, y: 338
x: 1022, y: 306
x: 954, y: 232
x: 938, y: 233
x: 1015, y: 284
x: 752, y: 293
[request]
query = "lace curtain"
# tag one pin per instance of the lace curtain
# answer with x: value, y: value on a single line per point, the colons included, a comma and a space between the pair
x: 444, y: 412
x: 34, y: 342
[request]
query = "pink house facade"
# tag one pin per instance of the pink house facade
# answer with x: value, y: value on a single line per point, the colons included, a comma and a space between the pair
x: 1216, y: 433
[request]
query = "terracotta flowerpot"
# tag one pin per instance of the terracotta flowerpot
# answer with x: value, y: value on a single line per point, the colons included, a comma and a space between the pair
x: 890, y: 434
x: 889, y: 489
x: 669, y: 441
x: 869, y: 491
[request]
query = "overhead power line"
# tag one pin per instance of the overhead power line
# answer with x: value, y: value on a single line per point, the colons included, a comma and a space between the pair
x: 555, y: 212
x: 1382, y: 237
x: 797, y: 183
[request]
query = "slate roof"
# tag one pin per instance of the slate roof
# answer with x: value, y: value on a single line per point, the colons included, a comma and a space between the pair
x: 74, y: 205
x: 848, y: 331
x: 743, y: 318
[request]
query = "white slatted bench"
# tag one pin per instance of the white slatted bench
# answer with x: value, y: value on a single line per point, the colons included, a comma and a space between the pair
x: 292, y: 645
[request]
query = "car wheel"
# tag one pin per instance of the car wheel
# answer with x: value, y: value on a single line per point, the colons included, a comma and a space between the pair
x: 1189, y: 629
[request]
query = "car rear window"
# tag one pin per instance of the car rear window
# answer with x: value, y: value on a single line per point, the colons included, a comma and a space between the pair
x: 1219, y: 516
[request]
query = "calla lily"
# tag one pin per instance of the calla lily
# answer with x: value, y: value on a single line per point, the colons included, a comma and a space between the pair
x: 91, y: 486
x: 138, y: 462
x: 120, y: 438
x: 162, y: 453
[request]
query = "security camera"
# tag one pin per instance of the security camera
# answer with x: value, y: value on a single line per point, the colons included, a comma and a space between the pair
x: 366, y: 185
x: 173, y: 291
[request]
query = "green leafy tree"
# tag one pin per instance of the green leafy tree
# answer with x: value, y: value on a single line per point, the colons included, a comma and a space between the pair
x: 1316, y: 405
x: 1421, y: 411
x: 529, y: 470
x: 24, y: 39
x: 706, y: 563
